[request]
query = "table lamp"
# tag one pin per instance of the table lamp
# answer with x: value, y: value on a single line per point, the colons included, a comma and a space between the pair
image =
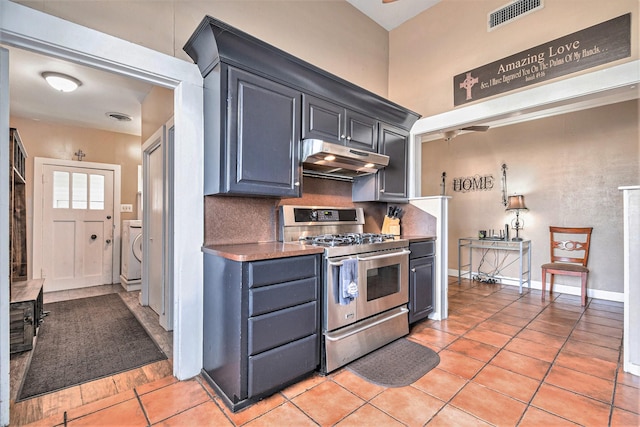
x: 516, y: 203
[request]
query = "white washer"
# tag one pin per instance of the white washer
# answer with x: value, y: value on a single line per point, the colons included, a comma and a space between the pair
x: 131, y: 255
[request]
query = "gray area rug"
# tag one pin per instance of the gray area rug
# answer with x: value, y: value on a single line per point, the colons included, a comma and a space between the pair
x: 85, y: 339
x: 397, y: 364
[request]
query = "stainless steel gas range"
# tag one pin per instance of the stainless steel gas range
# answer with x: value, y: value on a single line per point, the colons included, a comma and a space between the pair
x: 365, y: 280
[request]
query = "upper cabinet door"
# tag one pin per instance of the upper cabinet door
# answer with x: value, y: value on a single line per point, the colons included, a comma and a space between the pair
x: 334, y: 123
x: 362, y: 131
x: 389, y: 184
x: 322, y: 120
x: 394, y: 142
x: 263, y: 137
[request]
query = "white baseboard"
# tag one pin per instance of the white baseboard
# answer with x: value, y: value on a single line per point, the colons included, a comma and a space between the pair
x: 563, y: 289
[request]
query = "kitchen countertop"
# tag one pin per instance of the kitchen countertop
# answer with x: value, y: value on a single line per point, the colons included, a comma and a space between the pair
x: 270, y: 250
x: 261, y: 250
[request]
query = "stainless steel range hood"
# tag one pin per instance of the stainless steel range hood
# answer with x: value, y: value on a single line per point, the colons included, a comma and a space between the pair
x: 329, y: 160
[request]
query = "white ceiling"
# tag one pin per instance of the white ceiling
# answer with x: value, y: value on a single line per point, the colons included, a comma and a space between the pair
x: 391, y: 15
x: 100, y: 93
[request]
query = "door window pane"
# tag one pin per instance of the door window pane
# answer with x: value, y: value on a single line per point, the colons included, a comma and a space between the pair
x: 79, y: 191
x: 96, y: 192
x: 60, y: 190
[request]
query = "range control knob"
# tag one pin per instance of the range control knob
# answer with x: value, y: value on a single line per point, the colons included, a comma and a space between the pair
x: 313, y: 216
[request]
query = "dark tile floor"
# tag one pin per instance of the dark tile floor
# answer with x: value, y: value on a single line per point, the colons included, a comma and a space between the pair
x: 506, y: 359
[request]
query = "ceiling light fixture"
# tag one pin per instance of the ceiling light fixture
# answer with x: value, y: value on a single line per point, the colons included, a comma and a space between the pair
x: 61, y: 82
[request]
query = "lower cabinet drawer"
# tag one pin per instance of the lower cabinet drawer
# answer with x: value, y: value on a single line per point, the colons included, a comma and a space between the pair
x: 280, y: 327
x: 267, y: 272
x: 275, y: 297
x: 422, y: 249
x: 276, y: 367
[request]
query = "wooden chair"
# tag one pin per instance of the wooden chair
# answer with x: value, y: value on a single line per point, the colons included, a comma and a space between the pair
x: 564, y: 242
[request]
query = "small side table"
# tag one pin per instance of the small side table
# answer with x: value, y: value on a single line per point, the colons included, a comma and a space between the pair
x: 521, y: 248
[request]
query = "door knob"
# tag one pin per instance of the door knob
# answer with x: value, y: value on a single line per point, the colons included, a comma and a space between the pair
x: 108, y: 216
x: 108, y: 241
x: 94, y: 237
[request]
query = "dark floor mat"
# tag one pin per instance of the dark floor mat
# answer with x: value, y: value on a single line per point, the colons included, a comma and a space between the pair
x: 397, y: 364
x: 85, y: 339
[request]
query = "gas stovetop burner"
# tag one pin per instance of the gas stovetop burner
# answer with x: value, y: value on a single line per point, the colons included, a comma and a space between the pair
x: 347, y: 239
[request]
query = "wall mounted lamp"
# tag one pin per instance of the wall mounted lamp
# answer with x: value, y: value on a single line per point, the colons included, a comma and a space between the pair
x: 61, y: 82
x: 516, y: 203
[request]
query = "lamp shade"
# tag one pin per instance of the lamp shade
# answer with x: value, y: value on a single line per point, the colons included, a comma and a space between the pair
x: 516, y: 203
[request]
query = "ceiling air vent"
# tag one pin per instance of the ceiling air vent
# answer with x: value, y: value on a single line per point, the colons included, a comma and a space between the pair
x: 120, y: 117
x: 512, y: 11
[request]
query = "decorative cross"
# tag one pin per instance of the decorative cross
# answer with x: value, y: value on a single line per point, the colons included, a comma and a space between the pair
x: 80, y: 154
x: 468, y: 84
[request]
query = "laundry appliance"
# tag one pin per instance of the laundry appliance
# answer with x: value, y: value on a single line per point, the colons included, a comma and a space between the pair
x: 131, y: 255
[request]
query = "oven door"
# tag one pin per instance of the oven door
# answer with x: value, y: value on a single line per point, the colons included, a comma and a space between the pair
x: 383, y: 282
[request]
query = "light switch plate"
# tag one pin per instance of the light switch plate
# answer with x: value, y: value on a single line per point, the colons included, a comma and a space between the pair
x: 126, y: 208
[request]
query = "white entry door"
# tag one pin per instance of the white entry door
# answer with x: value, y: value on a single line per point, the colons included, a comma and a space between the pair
x: 77, y: 227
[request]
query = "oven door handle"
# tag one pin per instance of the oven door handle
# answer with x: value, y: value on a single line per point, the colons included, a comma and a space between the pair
x: 370, y: 258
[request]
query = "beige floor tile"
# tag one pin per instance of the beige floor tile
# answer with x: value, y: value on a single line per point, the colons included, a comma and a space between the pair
x: 368, y: 415
x: 408, y: 405
x: 327, y: 403
x: 488, y: 405
x: 173, y: 399
x: 207, y: 414
x: 451, y: 416
x: 251, y: 412
x: 357, y: 385
x: 285, y: 415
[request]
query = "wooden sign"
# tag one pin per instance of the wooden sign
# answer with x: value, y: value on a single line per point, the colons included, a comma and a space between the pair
x: 465, y: 184
x: 593, y: 46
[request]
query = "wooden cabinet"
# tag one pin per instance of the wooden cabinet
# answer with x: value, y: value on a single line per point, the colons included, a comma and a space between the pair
x: 422, y: 273
x: 390, y: 184
x: 17, y: 207
x: 25, y: 312
x: 261, y: 325
x: 335, y: 123
x: 252, y: 127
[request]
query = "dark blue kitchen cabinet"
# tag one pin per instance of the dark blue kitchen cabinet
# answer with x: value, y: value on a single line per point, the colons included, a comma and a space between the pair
x: 335, y: 123
x: 261, y: 327
x: 390, y: 184
x: 252, y: 130
x: 252, y: 137
x: 422, y: 270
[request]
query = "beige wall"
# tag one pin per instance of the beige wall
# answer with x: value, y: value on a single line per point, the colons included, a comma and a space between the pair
x: 569, y: 168
x: 157, y: 109
x: 451, y: 38
x: 50, y: 140
x: 330, y: 34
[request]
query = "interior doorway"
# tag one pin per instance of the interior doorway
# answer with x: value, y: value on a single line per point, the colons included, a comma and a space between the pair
x: 74, y: 223
x: 157, y: 290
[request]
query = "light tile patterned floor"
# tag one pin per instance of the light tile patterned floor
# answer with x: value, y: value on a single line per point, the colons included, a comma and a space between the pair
x: 506, y: 359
